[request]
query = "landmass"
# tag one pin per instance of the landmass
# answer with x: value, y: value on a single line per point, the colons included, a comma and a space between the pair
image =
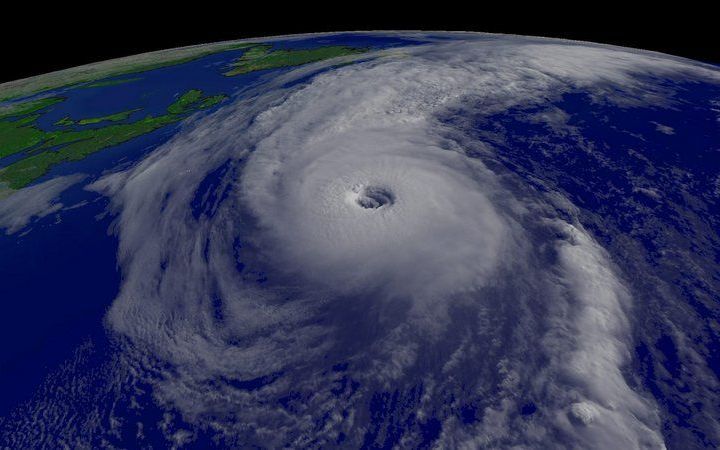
x: 111, y: 82
x: 74, y: 140
x: 117, y: 117
x: 20, y: 109
x: 261, y: 57
x: 91, y: 73
x: 19, y: 133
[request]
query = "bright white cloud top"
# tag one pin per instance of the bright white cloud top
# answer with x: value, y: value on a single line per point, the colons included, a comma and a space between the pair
x: 391, y: 242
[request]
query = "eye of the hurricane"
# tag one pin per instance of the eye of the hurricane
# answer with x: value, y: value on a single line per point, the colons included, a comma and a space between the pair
x: 374, y: 197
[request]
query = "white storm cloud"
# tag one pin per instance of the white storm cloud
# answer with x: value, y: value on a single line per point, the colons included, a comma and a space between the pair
x: 351, y: 195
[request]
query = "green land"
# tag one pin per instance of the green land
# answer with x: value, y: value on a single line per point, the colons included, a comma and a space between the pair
x: 45, y: 149
x: 24, y: 108
x: 117, y: 117
x: 261, y: 57
x: 98, y: 72
x: 113, y: 82
x: 73, y: 141
x: 258, y: 57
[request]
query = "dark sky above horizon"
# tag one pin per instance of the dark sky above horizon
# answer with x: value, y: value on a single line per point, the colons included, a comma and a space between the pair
x: 59, y: 44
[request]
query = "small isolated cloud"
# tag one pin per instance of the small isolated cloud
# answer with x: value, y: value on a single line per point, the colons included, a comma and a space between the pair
x: 664, y: 129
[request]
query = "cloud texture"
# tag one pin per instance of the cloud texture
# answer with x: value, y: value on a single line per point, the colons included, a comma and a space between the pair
x: 329, y: 241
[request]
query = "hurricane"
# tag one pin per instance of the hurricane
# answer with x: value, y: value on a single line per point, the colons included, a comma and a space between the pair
x: 361, y: 252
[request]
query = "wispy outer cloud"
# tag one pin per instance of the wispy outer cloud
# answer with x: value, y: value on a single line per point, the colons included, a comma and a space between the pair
x: 457, y: 281
x: 40, y: 200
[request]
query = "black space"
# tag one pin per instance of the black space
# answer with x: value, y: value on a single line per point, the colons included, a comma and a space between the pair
x: 58, y: 40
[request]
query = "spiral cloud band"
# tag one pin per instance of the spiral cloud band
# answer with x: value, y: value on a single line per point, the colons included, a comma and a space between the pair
x: 353, y: 244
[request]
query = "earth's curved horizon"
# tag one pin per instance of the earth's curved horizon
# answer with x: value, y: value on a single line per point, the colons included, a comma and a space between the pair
x: 399, y: 239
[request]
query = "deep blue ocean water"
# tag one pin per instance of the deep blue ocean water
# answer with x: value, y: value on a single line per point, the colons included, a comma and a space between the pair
x: 599, y: 169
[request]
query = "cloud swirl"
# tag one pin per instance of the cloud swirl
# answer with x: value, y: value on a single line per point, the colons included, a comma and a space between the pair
x: 333, y: 229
